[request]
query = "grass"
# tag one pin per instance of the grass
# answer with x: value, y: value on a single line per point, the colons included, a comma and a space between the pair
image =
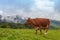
x: 27, y: 34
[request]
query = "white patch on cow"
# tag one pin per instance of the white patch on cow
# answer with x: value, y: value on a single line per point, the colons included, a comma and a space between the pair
x: 37, y: 28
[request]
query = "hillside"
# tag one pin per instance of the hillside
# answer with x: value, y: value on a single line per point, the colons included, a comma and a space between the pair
x: 55, y: 22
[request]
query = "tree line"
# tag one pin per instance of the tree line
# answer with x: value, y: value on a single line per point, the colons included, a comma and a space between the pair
x: 20, y: 26
x: 13, y: 25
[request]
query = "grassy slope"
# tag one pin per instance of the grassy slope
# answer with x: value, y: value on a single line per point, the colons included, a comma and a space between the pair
x: 27, y: 34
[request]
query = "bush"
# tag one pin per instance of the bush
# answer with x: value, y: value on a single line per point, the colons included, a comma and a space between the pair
x: 57, y: 28
x: 14, y: 25
x: 5, y: 26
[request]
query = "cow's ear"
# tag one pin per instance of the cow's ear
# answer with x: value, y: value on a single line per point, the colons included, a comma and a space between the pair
x: 29, y: 18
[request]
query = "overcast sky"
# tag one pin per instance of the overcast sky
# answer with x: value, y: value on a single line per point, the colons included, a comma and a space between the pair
x: 31, y: 8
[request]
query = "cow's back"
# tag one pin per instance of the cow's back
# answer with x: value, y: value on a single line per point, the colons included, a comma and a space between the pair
x: 42, y: 21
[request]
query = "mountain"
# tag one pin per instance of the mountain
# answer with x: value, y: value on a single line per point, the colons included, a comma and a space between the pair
x: 55, y: 22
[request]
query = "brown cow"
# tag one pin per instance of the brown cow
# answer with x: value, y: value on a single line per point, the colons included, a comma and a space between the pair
x: 39, y: 24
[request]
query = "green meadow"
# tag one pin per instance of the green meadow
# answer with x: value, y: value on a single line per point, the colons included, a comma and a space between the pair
x: 27, y: 34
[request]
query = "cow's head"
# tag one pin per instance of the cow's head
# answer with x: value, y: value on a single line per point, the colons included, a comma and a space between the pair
x: 28, y: 22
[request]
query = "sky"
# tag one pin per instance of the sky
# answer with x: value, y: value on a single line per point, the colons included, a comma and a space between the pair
x: 31, y: 8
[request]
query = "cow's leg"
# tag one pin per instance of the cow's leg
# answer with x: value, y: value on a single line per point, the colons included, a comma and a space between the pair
x: 41, y: 30
x: 36, y: 29
x: 46, y: 30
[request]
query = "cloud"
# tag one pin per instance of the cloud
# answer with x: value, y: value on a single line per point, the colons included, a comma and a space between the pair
x: 57, y: 5
x: 44, y: 9
x: 44, y: 5
x: 30, y: 8
x: 1, y: 12
x: 14, y: 6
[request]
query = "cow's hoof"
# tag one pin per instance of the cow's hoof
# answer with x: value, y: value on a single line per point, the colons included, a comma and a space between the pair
x: 45, y: 33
